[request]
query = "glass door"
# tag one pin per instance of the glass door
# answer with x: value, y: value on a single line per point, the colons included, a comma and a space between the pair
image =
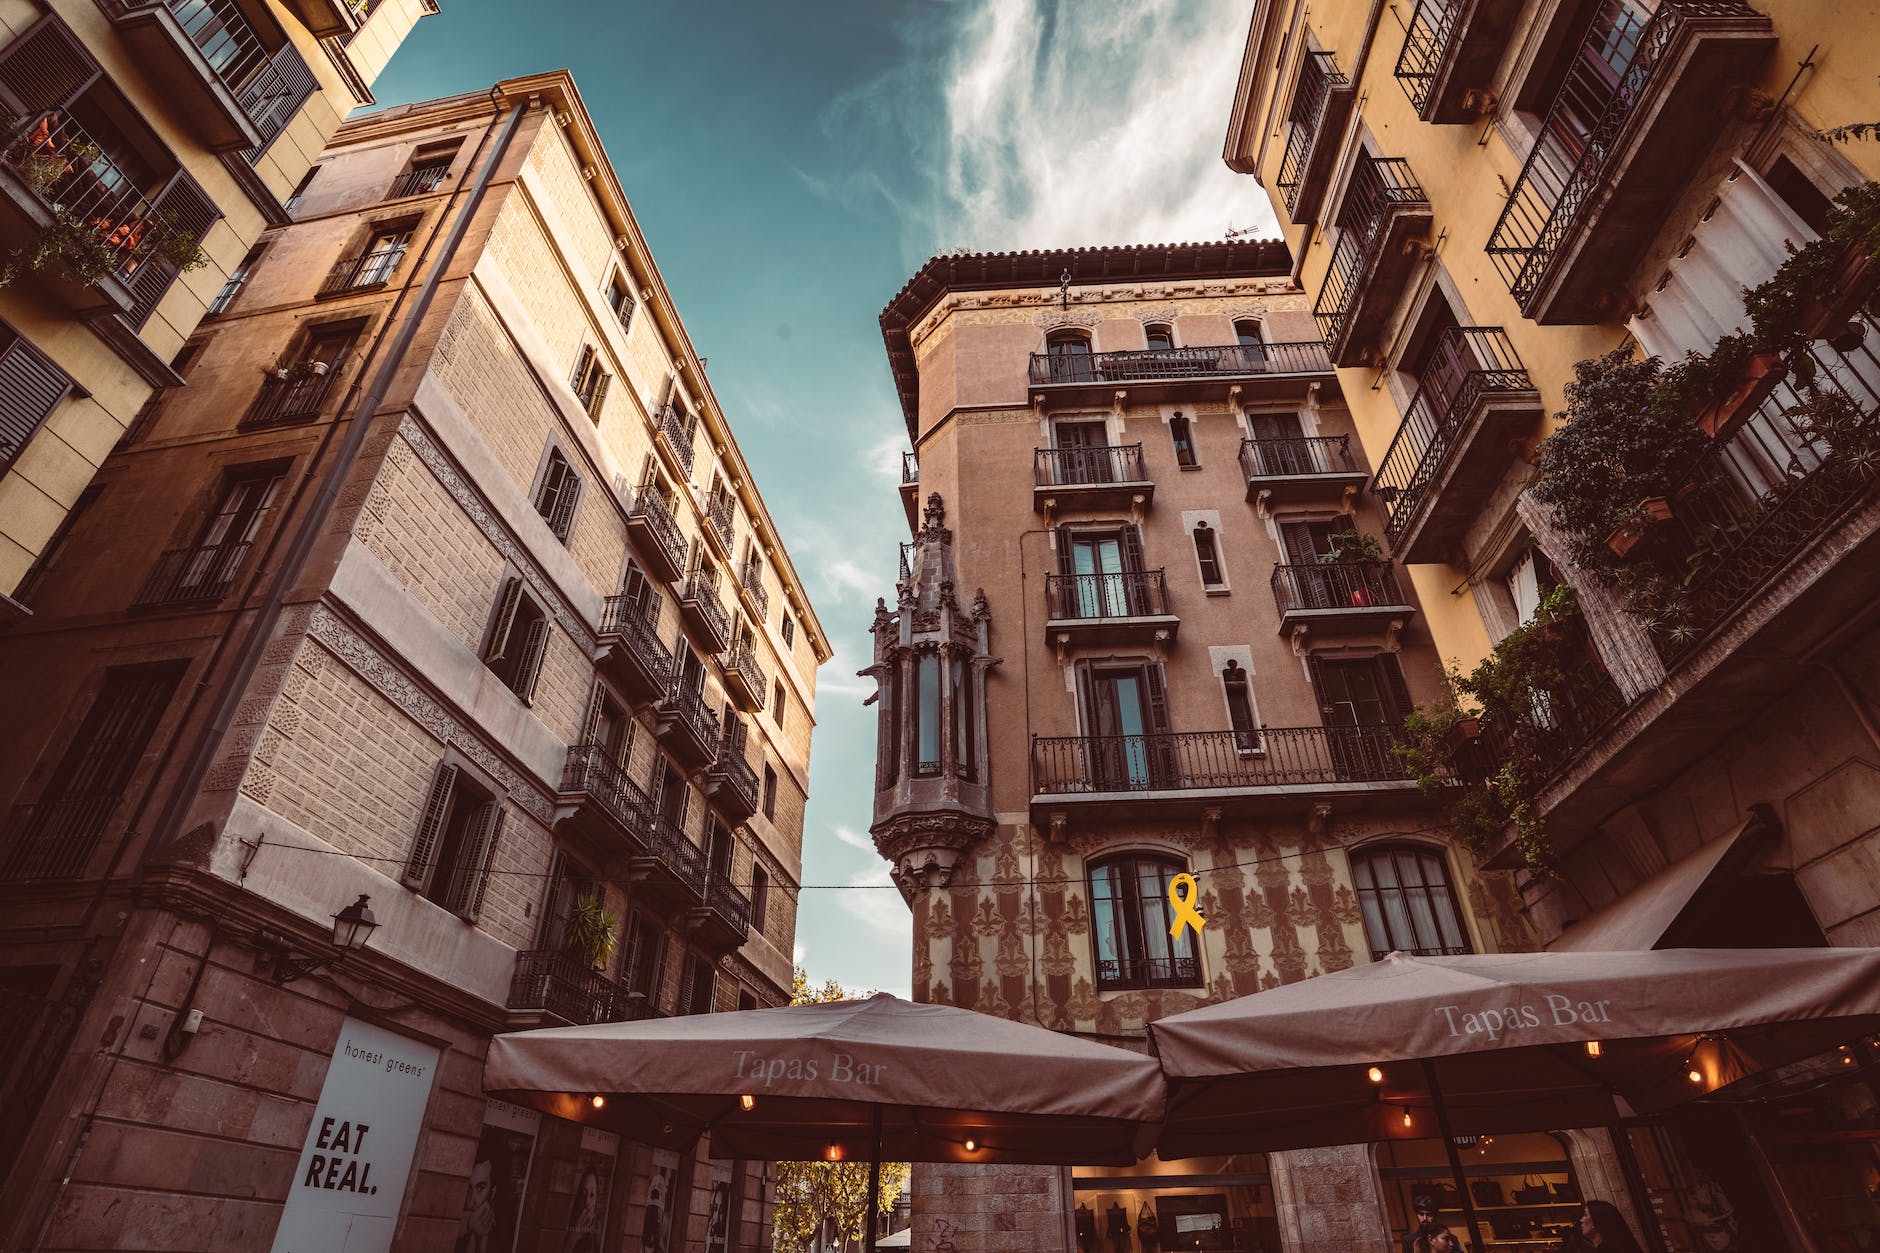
x: 1102, y: 590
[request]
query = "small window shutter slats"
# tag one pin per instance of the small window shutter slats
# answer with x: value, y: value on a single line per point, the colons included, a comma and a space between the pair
x: 46, y: 68
x: 430, y: 827
x: 1315, y: 670
x: 1396, y: 691
x: 581, y: 362
x: 505, y: 619
x: 186, y: 207
x: 591, y: 720
x: 31, y: 387
x: 567, y: 493
x: 1158, y: 698
x: 275, y: 96
x: 600, y: 395
x: 473, y: 868
x: 535, y: 646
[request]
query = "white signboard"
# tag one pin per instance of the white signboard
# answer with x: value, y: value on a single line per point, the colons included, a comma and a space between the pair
x: 351, y: 1177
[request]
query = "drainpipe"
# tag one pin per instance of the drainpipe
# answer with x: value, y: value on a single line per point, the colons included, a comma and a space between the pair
x: 313, y: 522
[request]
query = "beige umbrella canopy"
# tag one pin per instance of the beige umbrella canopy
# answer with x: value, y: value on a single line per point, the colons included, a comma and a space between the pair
x: 818, y: 1076
x: 1502, y: 1043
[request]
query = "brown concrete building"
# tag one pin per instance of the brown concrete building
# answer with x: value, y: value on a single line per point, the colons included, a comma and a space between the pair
x: 1145, y: 629
x: 1483, y: 198
x: 145, y: 146
x: 443, y: 583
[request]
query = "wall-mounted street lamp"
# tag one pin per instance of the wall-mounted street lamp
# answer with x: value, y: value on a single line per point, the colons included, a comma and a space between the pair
x: 352, y: 927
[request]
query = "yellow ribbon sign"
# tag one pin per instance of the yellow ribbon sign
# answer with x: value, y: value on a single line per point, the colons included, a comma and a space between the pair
x: 1184, y: 905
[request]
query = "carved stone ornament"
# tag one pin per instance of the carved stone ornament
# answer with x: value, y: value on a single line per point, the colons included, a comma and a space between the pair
x: 925, y: 847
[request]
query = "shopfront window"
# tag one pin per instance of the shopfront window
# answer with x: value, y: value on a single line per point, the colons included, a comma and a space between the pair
x: 1201, y: 1204
x: 1526, y: 1197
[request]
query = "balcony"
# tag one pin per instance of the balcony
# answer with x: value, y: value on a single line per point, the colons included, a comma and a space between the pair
x: 328, y: 17
x: 1095, y: 477
x: 1165, y: 373
x: 688, y: 727
x: 722, y: 514
x: 208, y: 59
x: 731, y: 782
x: 745, y: 679
x: 671, y: 871
x: 290, y: 396
x: 1451, y: 450
x: 1449, y: 55
x: 752, y: 583
x: 186, y: 575
x: 1384, y: 209
x: 724, y: 921
x: 1587, y: 204
x: 1127, y: 607
x: 1321, y: 104
x: 632, y: 653
x: 369, y: 271
x: 420, y: 180
x: 1262, y: 770
x: 1287, y: 471
x: 654, y: 532
x: 1114, y: 973
x: 598, y: 806
x: 677, y: 437
x: 704, y: 612
x: 551, y: 987
x: 910, y: 489
x: 1340, y: 597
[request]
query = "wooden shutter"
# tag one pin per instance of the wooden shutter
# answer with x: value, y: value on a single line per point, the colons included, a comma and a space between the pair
x: 1391, y: 683
x: 31, y: 387
x: 534, y: 647
x: 561, y: 517
x: 1315, y: 670
x: 601, y: 379
x: 1298, y: 540
x: 591, y: 720
x: 1157, y: 692
x: 46, y: 68
x: 272, y: 100
x: 430, y: 827
x: 506, y: 605
x: 581, y: 362
x: 188, y: 209
x: 1132, y: 549
x: 1136, y: 595
x: 473, y: 868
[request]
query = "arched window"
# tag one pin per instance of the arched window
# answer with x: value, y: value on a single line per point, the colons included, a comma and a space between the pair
x: 1407, y: 902
x: 1130, y: 917
x: 927, y: 714
x: 1067, y: 356
x: 1159, y: 335
x: 1247, y: 332
x: 1239, y: 695
x: 1208, y: 554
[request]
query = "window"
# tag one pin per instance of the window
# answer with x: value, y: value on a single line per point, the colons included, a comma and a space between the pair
x: 206, y: 570
x: 1081, y: 453
x: 1362, y: 703
x: 778, y: 701
x: 760, y: 897
x: 927, y: 714
x: 701, y: 982
x: 1239, y: 694
x: 556, y: 494
x: 31, y: 387
x: 1130, y: 917
x: 788, y: 627
x: 746, y: 1001
x: 1799, y: 193
x: 1208, y: 555
x: 236, y: 281
x: 518, y: 639
x: 300, y: 188
x: 429, y: 168
x: 1407, y: 903
x: 1067, y: 357
x: 1126, y: 725
x: 296, y: 389
x: 589, y: 381
x: 959, y: 677
x: 620, y: 300
x: 1182, y: 436
x: 450, y: 858
x: 1247, y: 333
x: 382, y: 255
x: 58, y: 833
x: 642, y: 957
x: 770, y: 793
x: 1159, y: 335
x: 1102, y: 576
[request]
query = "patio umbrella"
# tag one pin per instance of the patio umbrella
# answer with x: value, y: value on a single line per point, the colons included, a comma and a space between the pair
x: 882, y: 1078
x: 1412, y: 1047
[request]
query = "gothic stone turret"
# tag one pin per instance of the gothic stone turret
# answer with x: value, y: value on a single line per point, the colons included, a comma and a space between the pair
x: 933, y: 797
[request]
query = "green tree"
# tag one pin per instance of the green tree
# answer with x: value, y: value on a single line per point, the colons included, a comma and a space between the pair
x: 808, y: 1193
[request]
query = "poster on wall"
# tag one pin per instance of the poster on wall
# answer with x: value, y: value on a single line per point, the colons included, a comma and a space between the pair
x: 593, y: 1184
x: 718, y: 1224
x: 350, y: 1180
x: 661, y: 1203
x: 499, y: 1177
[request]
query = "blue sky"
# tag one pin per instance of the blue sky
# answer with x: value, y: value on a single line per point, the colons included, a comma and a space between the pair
x: 792, y: 165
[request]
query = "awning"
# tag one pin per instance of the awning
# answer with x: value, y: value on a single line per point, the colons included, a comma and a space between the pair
x: 1645, y: 917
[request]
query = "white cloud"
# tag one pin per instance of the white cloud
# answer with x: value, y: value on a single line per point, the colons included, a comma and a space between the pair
x: 1079, y: 124
x: 872, y: 901
x: 854, y: 839
x: 796, y: 953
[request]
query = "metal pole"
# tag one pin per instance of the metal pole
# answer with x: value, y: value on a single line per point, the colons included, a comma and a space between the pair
x: 874, y: 1187
x: 1455, y: 1158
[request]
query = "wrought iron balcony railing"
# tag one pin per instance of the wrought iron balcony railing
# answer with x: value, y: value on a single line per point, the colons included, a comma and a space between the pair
x: 647, y: 507
x: 752, y: 581
x: 738, y: 772
x: 1303, y: 455
x: 557, y: 982
x: 672, y: 426
x: 1150, y: 364
x: 1087, y: 467
x: 290, y: 396
x: 73, y: 173
x: 744, y: 665
x: 366, y: 272
x: 1148, y: 972
x: 419, y: 180
x: 625, y: 618
x: 723, y: 515
x: 1467, y: 363
x: 702, y: 592
x: 689, y: 703
x: 683, y: 860
x: 1261, y: 757
x: 1337, y: 585
x: 1379, y: 185
x: 1568, y: 165
x: 1426, y: 43
x: 725, y: 899
x: 1124, y: 594
x: 590, y: 770
x: 1319, y: 76
x: 205, y: 572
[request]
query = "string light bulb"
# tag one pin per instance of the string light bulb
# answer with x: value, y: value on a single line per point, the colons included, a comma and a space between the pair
x: 1593, y: 1048
x: 1374, y: 1074
x: 972, y: 1146
x: 833, y: 1152
x: 1695, y: 1075
x: 747, y: 1102
x: 1406, y: 1116
x: 598, y: 1101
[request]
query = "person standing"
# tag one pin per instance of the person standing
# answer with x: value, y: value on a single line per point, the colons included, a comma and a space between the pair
x: 1602, y: 1227
x: 1419, y: 1239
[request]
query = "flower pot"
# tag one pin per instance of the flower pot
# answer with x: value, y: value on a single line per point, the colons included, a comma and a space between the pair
x: 1760, y: 375
x: 1462, y: 731
x: 1652, y: 511
x: 1856, y: 276
x: 1360, y: 597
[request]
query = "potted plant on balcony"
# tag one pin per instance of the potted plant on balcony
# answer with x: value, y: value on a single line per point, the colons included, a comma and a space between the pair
x: 592, y: 931
x: 1636, y: 526
x: 1351, y: 547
